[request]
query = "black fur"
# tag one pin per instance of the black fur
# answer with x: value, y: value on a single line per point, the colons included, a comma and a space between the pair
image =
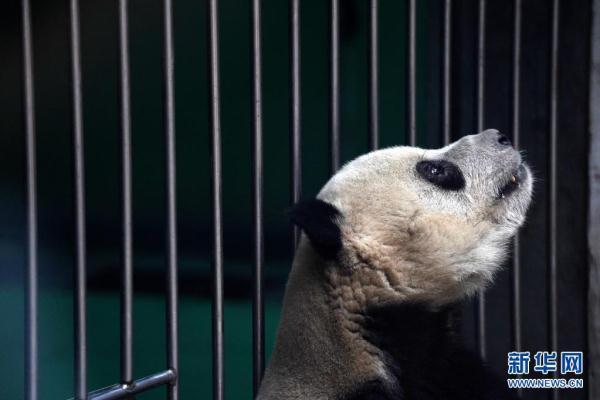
x: 427, y: 359
x: 442, y: 173
x: 318, y: 220
x: 373, y: 390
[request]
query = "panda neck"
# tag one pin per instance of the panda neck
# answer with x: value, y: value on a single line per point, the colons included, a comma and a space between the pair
x: 408, y: 332
x: 320, y: 348
x: 308, y: 358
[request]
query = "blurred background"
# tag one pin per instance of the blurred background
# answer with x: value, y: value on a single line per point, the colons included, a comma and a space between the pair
x: 99, y: 30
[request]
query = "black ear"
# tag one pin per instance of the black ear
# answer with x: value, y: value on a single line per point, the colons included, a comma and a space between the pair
x: 318, y: 220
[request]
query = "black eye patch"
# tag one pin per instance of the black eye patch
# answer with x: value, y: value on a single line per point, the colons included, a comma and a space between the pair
x: 442, y: 173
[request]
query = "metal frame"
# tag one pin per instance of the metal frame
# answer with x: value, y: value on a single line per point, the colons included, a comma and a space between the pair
x: 127, y: 250
x: 334, y: 107
x: 480, y: 117
x: 31, y: 287
x: 217, y: 260
x: 516, y: 138
x: 80, y: 270
x: 552, y: 192
x: 593, y: 358
x: 258, y: 310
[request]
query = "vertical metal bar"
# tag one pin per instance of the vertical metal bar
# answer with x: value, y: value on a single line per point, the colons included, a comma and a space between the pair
x: 80, y: 268
x: 552, y: 181
x: 480, y: 121
x: 171, y: 237
x: 593, y: 238
x: 334, y: 107
x: 412, y: 73
x: 31, y: 296
x: 215, y: 122
x: 374, y: 76
x: 258, y: 330
x: 447, y: 80
x: 516, y: 108
x: 481, y: 65
x: 516, y: 104
x: 127, y: 260
x: 296, y: 167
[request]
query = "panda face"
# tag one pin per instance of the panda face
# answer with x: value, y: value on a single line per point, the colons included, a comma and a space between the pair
x: 496, y: 183
x: 425, y: 225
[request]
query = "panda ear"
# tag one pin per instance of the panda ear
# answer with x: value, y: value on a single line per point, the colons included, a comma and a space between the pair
x: 319, y: 221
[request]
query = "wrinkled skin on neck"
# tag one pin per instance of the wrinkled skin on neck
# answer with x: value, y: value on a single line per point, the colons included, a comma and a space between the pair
x: 318, y: 357
x: 336, y: 341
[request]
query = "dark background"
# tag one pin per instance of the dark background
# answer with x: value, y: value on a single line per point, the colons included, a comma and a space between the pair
x: 101, y: 129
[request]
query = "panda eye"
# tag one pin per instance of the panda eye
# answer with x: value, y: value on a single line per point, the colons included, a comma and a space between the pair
x: 441, y: 173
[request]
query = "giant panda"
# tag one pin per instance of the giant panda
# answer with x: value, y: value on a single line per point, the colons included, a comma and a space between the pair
x: 390, y: 246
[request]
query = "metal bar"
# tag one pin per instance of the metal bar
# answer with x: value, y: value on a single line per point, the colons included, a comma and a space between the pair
x: 481, y: 323
x: 516, y: 128
x: 447, y: 80
x: 481, y: 65
x: 215, y: 122
x: 115, y: 392
x: 127, y: 253
x: 80, y: 268
x: 334, y: 107
x: 295, y: 126
x: 31, y: 279
x: 552, y: 181
x: 593, y: 238
x: 258, y: 329
x: 516, y: 105
x: 171, y: 213
x: 374, y: 76
x: 411, y: 96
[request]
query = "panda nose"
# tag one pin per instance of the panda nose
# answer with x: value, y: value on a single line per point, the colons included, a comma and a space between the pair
x: 503, y: 140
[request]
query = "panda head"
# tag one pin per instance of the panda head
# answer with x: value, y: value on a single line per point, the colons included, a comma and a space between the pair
x: 408, y: 224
